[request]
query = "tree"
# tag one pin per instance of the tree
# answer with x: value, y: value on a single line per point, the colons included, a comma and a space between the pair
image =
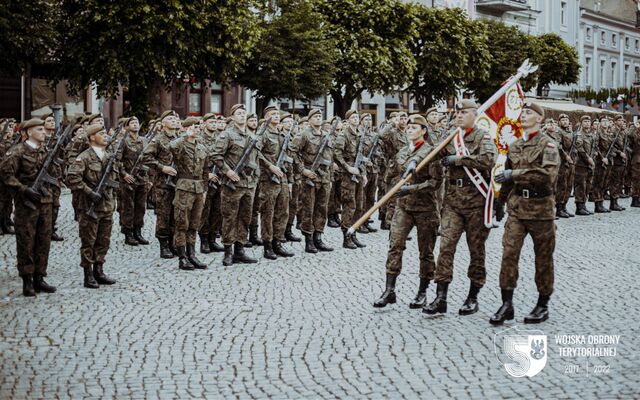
x: 295, y: 58
x: 450, y: 50
x: 138, y: 43
x: 557, y: 61
x: 371, y: 38
x: 508, y: 47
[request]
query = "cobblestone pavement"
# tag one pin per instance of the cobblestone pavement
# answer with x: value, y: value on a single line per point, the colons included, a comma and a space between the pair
x: 305, y: 327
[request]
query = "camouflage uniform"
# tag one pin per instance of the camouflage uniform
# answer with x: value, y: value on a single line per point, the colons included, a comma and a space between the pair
x: 634, y: 144
x: 392, y: 140
x: 618, y: 162
x: 584, y: 167
x: 373, y: 170
x: 570, y: 143
x: 211, y: 216
x: 133, y: 197
x: 345, y: 152
x: 602, y: 171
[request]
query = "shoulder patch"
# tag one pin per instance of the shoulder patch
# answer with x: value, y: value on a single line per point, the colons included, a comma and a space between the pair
x: 154, y: 140
x: 552, y: 145
x: 222, y: 136
x: 78, y: 158
x: 9, y: 153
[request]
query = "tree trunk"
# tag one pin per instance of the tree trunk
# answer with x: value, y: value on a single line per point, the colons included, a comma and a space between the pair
x: 28, y: 105
x: 539, y: 89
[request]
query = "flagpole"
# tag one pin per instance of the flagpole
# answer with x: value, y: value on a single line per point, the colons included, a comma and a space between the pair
x: 525, y: 69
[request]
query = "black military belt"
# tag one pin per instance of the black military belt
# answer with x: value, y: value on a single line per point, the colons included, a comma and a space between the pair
x: 530, y: 193
x: 462, y: 182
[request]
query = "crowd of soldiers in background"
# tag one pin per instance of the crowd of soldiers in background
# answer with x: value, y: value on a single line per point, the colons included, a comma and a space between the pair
x: 248, y: 181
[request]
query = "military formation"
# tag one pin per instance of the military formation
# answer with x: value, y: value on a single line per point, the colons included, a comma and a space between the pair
x: 240, y: 181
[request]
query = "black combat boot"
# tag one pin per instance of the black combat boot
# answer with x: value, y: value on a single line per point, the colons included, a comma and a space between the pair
x: 607, y: 195
x: 600, y: 208
x: 635, y: 201
x: 505, y: 312
x: 357, y: 242
x: 6, y: 228
x: 309, y: 247
x: 165, y: 251
x: 389, y: 294
x: 268, y: 250
x: 239, y: 255
x: 439, y: 305
x: 137, y: 235
x: 370, y: 228
x: 128, y: 237
x: 89, y: 280
x: 39, y: 285
x: 172, y: 247
x: 564, y: 208
x: 100, y: 277
x: 560, y: 213
x: 191, y: 256
x: 347, y: 241
x: 614, y: 206
x: 540, y: 312
x: 55, y: 236
x: 363, y: 229
x: 338, y: 219
x: 470, y: 305
x: 421, y: 297
x: 204, y: 244
x: 214, y: 246
x: 581, y: 209
x: 626, y: 192
x: 332, y: 222
x: 183, y: 262
x: 319, y: 244
x: 279, y: 249
x: 590, y: 198
x: 253, y: 236
x: 288, y: 234
x: 228, y: 255
x: 27, y: 286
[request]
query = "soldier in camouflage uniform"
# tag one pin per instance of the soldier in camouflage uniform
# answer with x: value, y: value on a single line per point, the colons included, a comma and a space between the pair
x: 584, y: 165
x: 417, y: 207
x: 158, y: 157
x: 254, y: 238
x: 274, y: 187
x: 211, y: 217
x: 18, y: 170
x: 603, y: 165
x: 236, y: 203
x: 618, y: 158
x: 530, y: 172
x: 6, y: 198
x: 95, y: 233
x: 569, y: 141
x: 372, y: 166
x: 392, y: 139
x: 334, y: 207
x: 56, y: 171
x: 463, y: 210
x: 286, y: 120
x: 315, y: 188
x: 634, y: 145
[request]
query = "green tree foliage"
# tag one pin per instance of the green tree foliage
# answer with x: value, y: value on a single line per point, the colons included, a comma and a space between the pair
x: 371, y: 38
x: 557, y: 61
x: 295, y: 58
x: 450, y: 50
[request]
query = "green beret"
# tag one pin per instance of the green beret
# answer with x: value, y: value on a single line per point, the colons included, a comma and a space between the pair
x: 33, y: 122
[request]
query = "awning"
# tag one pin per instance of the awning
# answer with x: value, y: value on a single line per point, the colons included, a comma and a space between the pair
x: 554, y: 107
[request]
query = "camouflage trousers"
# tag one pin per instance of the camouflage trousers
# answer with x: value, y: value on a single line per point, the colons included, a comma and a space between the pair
x: 211, y: 216
x: 187, y: 210
x: 564, y: 183
x: 133, y: 205
x: 352, y: 199
x: 370, y: 191
x: 255, y: 209
x: 581, y: 184
x: 543, y: 234
x: 164, y: 212
x: 6, y: 202
x: 293, y: 201
x: 616, y: 180
x: 274, y: 210
x: 236, y: 208
x: 33, y: 238
x: 334, y: 205
x: 635, y: 179
x: 95, y: 237
x: 391, y: 204
x: 456, y: 221
x: 600, y: 181
x: 426, y: 223
x: 313, y: 207
x: 382, y: 190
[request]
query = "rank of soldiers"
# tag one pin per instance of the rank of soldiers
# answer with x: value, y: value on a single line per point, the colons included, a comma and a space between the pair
x: 249, y: 182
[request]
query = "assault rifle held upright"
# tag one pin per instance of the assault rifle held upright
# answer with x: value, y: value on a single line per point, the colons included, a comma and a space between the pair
x: 359, y: 156
x: 318, y: 161
x: 282, y: 155
x: 244, y: 163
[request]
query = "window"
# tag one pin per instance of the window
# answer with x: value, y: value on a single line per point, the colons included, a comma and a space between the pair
x: 637, y: 45
x: 626, y: 43
x: 614, y: 40
x: 637, y: 75
x: 563, y: 13
x: 626, y: 75
x: 195, y: 99
x: 588, y: 34
x: 602, y: 75
x: 603, y: 39
x: 587, y: 71
x: 613, y: 73
x: 216, y: 98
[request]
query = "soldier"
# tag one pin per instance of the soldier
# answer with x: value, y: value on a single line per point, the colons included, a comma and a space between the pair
x: 236, y: 203
x: 274, y: 187
x: 18, y: 170
x: 211, y: 217
x: 353, y: 179
x: 603, y: 165
x: 189, y: 157
x: 584, y: 165
x: 634, y: 145
x: 6, y: 198
x: 55, y: 170
x: 382, y: 184
x: 159, y: 158
x: 530, y: 172
x: 393, y: 138
x: 433, y: 131
x: 313, y: 199
x: 134, y: 188
x: 95, y: 231
x: 570, y: 142
x: 372, y: 166
x: 463, y: 209
x: 618, y: 158
x: 286, y: 120
x: 254, y: 239
x: 334, y: 207
x: 417, y: 207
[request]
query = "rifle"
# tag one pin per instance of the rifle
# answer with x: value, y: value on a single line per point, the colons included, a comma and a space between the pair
x: 115, y: 135
x: 214, y: 170
x: 318, y: 161
x: 573, y: 144
x: 136, y: 165
x: 625, y: 146
x: 43, y: 175
x: 244, y: 159
x: 613, y: 143
x: 359, y: 157
x: 105, y: 181
x: 282, y: 156
x: 16, y: 138
x: 170, y: 181
x: 594, y: 146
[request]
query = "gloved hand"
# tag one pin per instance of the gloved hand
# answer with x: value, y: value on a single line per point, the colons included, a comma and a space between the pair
x: 411, y: 169
x: 32, y: 195
x: 404, y: 190
x: 498, y: 209
x: 450, y: 160
x: 504, y: 176
x: 94, y: 197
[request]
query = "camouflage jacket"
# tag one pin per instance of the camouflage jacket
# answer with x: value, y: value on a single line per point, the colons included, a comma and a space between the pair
x: 228, y: 150
x: 345, y: 150
x: 84, y: 175
x: 131, y: 151
x: 270, y: 145
x: 20, y: 167
x: 157, y: 155
x: 427, y: 182
x: 304, y: 148
x: 191, y: 160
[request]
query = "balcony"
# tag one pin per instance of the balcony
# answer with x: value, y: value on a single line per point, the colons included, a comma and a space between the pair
x: 502, y: 6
